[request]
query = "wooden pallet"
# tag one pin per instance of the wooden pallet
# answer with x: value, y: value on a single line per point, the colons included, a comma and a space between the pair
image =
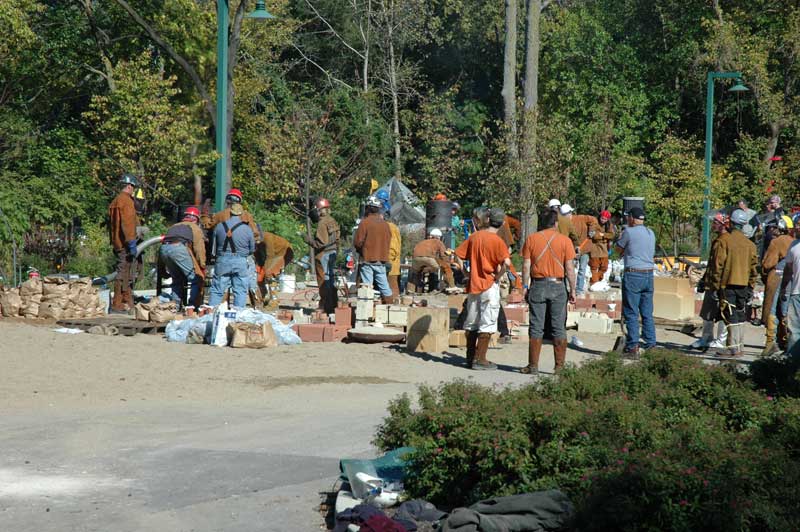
x: 125, y: 325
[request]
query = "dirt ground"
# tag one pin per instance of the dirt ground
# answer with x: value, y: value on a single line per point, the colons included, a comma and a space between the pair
x: 135, y: 433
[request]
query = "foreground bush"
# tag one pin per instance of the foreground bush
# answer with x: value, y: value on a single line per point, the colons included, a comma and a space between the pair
x: 667, y: 444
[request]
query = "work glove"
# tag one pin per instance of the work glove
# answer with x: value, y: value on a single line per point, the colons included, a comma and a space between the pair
x: 132, y: 251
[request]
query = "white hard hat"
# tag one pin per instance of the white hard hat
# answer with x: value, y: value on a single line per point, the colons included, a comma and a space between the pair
x: 435, y: 232
x: 566, y: 209
x: 739, y: 217
x: 553, y: 203
x: 374, y: 201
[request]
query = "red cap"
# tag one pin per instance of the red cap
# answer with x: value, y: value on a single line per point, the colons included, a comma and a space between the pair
x: 323, y: 203
x: 605, y: 214
x: 440, y: 197
x: 192, y: 211
x: 235, y: 192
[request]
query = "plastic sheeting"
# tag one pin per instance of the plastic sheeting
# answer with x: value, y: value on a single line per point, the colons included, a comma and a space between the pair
x: 285, y: 333
x: 198, y: 330
x: 407, y: 211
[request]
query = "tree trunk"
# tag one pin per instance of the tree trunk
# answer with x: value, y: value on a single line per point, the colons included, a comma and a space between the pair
x: 530, y: 106
x: 509, y: 81
x: 398, y: 163
x: 772, y: 143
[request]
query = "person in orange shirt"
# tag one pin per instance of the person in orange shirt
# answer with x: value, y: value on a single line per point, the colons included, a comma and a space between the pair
x: 548, y: 258
x: 488, y: 258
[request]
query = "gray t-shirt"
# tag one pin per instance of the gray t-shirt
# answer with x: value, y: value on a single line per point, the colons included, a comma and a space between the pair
x: 242, y: 238
x: 639, y: 244
x: 793, y: 259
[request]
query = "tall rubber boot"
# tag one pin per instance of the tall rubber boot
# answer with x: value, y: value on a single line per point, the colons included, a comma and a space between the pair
x: 480, y: 352
x: 472, y: 344
x: 534, y: 351
x: 560, y: 352
x: 735, y: 339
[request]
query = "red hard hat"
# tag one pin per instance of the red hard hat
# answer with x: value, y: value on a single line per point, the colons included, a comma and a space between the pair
x: 235, y: 192
x: 605, y: 214
x: 440, y: 197
x: 192, y: 211
x: 323, y: 203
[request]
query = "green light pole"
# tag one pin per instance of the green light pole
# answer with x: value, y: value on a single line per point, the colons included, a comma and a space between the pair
x: 739, y: 87
x: 222, y: 181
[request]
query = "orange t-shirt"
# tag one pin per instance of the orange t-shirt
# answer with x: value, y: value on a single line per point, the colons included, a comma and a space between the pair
x: 551, y: 261
x: 485, y: 251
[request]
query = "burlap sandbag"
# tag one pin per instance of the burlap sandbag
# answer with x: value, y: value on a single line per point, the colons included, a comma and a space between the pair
x: 55, y: 286
x: 30, y: 306
x: 51, y: 311
x: 58, y: 300
x: 252, y: 336
x: 31, y: 287
x: 163, y: 314
x: 10, y: 302
x: 142, y: 311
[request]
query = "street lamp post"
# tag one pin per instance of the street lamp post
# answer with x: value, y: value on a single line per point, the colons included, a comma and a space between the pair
x: 221, y: 184
x: 739, y: 87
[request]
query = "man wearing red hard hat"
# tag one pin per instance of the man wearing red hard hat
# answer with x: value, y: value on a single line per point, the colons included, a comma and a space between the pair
x: 602, y: 237
x: 183, y: 253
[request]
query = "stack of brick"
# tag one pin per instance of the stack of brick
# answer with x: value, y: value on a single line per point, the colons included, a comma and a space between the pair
x: 322, y: 331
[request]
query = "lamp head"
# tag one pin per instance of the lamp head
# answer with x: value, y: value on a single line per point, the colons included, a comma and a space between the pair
x: 260, y: 12
x: 739, y: 86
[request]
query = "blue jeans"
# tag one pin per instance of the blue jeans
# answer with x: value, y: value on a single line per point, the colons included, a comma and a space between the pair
x: 252, y: 276
x: 231, y: 273
x: 637, y: 299
x: 793, y: 322
x: 583, y: 262
x: 376, y: 273
x: 179, y: 264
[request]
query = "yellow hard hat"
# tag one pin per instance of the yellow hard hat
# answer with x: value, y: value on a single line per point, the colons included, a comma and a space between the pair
x: 787, y: 222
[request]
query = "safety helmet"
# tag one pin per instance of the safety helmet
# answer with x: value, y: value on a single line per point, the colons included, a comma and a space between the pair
x: 234, y: 195
x: 775, y: 199
x: 129, y: 179
x: 796, y: 220
x: 605, y: 215
x: 382, y: 194
x: 456, y: 205
x: 323, y: 203
x: 554, y: 204
x: 784, y: 223
x: 739, y: 217
x: 566, y: 209
x: 440, y: 197
x: 437, y: 233
x: 192, y: 211
x: 720, y: 217
x: 374, y: 201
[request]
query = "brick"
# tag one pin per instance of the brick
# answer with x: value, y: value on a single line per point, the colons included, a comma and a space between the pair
x: 514, y: 297
x: 345, y: 316
x: 311, y: 332
x: 518, y: 314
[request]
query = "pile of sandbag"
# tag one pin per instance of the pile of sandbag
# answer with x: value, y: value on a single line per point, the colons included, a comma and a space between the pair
x: 62, y: 298
x: 30, y: 293
x: 10, y: 302
x: 156, y: 311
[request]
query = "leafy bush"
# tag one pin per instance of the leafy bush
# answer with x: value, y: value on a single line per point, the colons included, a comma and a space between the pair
x: 668, y: 444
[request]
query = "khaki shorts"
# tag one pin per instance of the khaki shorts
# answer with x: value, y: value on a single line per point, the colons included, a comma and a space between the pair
x: 482, y: 310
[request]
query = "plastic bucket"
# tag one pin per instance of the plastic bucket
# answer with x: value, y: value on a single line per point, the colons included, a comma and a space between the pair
x: 287, y: 283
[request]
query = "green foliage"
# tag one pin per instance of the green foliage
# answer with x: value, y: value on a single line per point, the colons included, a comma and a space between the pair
x: 284, y: 222
x: 668, y: 444
x: 93, y: 254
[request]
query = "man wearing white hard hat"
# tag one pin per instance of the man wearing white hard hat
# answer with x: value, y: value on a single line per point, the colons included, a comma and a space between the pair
x: 553, y: 204
x: 428, y: 257
x: 565, y: 226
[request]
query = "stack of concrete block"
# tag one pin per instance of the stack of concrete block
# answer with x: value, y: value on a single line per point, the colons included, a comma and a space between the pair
x: 428, y: 329
x: 595, y: 322
x: 673, y: 298
x: 394, y: 315
x: 459, y: 339
x: 365, y: 306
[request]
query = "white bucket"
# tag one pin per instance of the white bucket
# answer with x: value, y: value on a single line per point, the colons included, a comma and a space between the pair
x: 287, y: 283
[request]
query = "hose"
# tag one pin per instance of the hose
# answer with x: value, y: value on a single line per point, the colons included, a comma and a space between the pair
x: 106, y: 279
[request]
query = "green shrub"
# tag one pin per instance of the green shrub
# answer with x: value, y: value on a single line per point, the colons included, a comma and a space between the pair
x: 667, y: 444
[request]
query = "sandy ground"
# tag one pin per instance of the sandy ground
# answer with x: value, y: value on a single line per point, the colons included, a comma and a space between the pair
x: 134, y: 433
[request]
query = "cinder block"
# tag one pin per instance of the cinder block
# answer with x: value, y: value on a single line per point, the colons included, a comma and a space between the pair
x: 427, y: 341
x: 382, y: 313
x: 459, y: 339
x: 300, y: 317
x: 365, y: 309
x: 673, y: 306
x: 430, y: 319
x: 345, y: 316
x: 398, y: 315
x: 593, y: 322
x: 517, y: 313
x: 572, y: 318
